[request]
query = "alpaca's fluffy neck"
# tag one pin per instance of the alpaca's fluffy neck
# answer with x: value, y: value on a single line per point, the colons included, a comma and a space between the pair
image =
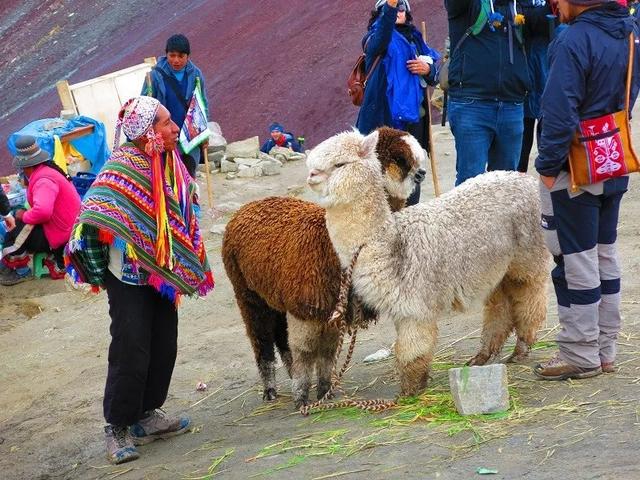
x: 353, y: 225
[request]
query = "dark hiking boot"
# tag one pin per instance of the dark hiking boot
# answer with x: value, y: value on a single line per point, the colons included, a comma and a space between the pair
x: 12, y: 277
x: 120, y: 447
x: 157, y: 424
x: 558, y: 369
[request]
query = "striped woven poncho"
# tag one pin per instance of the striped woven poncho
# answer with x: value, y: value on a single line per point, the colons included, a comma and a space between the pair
x: 119, y: 206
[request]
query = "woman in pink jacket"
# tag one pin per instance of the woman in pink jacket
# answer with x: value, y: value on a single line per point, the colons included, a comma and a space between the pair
x: 46, y: 226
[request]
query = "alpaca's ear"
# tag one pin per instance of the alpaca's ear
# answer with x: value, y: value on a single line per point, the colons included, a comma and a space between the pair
x: 369, y: 143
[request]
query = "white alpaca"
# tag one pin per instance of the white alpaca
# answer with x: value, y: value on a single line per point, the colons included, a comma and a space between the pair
x: 480, y: 242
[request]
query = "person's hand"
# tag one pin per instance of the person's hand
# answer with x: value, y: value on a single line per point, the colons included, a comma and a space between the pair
x: 19, y: 214
x: 548, y: 181
x: 10, y: 222
x: 392, y: 3
x: 205, y: 144
x: 418, y: 67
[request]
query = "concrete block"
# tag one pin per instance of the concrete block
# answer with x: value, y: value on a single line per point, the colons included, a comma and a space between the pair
x: 247, y: 148
x: 226, y: 166
x: 480, y: 390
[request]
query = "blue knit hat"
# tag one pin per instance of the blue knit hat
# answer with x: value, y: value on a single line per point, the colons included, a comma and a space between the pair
x: 276, y: 127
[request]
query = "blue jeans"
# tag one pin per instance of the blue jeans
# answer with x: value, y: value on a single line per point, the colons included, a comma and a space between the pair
x: 488, y: 135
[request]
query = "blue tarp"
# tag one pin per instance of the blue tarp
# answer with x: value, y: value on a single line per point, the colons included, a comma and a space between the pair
x: 92, y: 147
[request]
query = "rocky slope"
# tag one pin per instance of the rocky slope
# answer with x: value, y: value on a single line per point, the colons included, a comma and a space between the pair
x: 263, y: 61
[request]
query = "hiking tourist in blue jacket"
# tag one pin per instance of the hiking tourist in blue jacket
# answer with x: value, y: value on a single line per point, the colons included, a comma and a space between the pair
x: 587, y: 80
x: 279, y: 138
x: 488, y: 80
x: 395, y: 92
x: 173, y: 81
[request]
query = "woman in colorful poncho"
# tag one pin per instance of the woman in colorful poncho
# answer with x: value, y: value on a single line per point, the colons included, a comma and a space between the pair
x: 137, y: 237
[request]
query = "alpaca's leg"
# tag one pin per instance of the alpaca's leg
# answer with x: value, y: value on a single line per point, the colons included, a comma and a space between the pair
x: 324, y: 361
x: 303, y: 337
x: 260, y: 322
x: 497, y: 324
x: 414, y: 351
x: 282, y: 342
x: 529, y: 306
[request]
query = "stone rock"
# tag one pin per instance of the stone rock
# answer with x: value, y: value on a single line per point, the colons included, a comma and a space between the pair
x: 249, y: 172
x: 247, y: 148
x: 248, y: 162
x: 215, y: 158
x: 265, y: 156
x: 218, y: 229
x: 286, y: 154
x: 480, y: 390
x: 226, y: 166
x: 270, y: 167
x: 231, y: 176
x: 216, y: 141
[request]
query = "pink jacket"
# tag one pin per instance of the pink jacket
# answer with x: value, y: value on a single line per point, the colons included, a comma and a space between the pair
x: 54, y: 203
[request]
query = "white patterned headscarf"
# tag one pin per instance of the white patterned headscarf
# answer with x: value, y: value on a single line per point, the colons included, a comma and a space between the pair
x: 136, y: 118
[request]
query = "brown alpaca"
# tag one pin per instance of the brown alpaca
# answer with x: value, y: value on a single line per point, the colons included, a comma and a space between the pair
x: 286, y: 275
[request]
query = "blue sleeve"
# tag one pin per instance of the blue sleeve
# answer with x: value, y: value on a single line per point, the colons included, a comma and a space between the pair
x: 563, y: 94
x: 293, y: 143
x: 425, y: 49
x: 267, y: 146
x: 378, y: 38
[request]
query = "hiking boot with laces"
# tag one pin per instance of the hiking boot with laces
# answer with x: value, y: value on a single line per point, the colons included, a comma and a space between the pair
x: 157, y: 424
x: 120, y: 447
x: 558, y: 369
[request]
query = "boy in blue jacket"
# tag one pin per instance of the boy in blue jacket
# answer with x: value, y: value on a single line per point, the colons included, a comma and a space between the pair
x: 173, y: 81
x: 587, y: 79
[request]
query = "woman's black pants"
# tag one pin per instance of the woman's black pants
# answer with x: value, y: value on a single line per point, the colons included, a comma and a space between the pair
x: 142, y: 354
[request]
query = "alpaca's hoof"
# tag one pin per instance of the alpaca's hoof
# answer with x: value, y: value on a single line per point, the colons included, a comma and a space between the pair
x: 269, y: 395
x: 520, y: 352
x: 323, y: 388
x: 479, y: 359
x: 517, y: 358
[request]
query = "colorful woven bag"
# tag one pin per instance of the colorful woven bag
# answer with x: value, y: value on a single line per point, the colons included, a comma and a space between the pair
x: 602, y: 148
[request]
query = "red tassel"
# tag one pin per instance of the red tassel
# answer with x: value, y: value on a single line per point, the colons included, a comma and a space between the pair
x: 105, y: 237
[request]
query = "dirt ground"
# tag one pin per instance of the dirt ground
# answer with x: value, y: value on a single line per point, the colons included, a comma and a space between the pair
x: 53, y: 346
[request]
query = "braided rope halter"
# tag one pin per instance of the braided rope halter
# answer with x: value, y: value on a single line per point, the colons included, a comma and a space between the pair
x: 338, y: 321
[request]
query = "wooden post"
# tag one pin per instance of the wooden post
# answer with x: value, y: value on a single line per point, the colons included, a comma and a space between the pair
x: 208, y: 173
x: 66, y: 97
x: 432, y: 152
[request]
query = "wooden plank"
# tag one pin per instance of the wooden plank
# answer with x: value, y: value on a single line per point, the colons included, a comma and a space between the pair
x: 77, y: 133
x: 66, y: 98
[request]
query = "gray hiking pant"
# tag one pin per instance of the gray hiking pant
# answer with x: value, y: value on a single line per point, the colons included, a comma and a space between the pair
x: 580, y: 231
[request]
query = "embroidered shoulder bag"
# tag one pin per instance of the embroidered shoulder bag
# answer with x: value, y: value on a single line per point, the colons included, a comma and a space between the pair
x: 602, y: 148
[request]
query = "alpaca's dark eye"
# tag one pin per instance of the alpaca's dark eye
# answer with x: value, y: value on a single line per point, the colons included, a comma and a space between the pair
x: 339, y: 165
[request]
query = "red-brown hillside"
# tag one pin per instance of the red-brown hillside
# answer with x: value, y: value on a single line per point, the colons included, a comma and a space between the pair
x: 263, y: 60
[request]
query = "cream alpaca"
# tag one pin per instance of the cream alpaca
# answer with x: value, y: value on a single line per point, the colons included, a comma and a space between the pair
x: 479, y: 242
